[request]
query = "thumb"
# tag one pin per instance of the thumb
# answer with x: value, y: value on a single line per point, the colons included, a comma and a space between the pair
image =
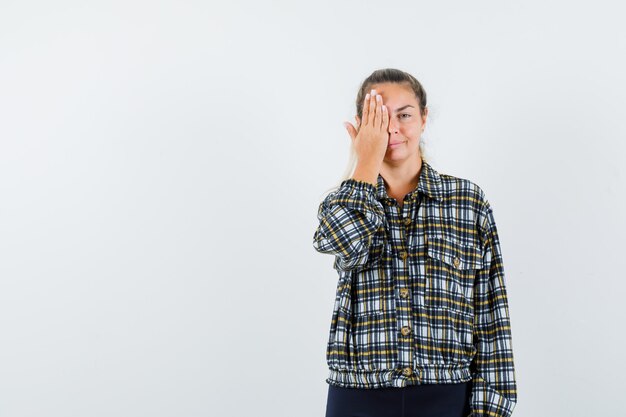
x: 351, y: 130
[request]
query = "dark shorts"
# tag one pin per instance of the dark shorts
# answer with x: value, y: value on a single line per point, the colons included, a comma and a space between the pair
x: 426, y: 400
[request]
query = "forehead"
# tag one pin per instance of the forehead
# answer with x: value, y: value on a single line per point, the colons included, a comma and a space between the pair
x: 393, y: 92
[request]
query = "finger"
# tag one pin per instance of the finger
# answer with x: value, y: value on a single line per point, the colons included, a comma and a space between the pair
x: 351, y: 130
x: 366, y: 106
x: 378, y: 112
x: 385, y: 118
x: 372, y: 110
x: 358, y: 125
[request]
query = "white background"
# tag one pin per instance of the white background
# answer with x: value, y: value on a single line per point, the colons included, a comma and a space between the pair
x: 161, y: 166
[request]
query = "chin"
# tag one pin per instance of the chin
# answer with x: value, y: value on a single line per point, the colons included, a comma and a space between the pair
x: 396, y: 157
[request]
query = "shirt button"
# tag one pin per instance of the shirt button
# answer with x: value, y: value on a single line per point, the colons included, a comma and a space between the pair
x: 456, y: 262
x: 404, y: 292
x: 407, y: 221
x: 407, y: 371
x: 403, y: 255
x: 406, y: 330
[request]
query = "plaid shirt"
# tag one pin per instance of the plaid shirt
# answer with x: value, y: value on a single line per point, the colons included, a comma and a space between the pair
x: 421, y: 295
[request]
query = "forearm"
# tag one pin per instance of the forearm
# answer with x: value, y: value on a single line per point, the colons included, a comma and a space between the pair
x: 348, y: 218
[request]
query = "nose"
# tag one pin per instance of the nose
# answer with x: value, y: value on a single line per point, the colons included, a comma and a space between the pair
x: 393, y: 127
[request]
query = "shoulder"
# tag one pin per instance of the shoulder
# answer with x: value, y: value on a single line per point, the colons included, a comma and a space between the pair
x: 457, y: 190
x: 463, y: 192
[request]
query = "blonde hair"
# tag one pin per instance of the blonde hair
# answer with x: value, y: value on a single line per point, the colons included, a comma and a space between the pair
x: 386, y: 75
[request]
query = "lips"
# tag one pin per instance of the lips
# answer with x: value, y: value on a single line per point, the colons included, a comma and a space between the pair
x: 395, y: 143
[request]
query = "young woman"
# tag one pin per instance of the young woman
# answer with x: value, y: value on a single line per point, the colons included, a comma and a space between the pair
x: 420, y: 325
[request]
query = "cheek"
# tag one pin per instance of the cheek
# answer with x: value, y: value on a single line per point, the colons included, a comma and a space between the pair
x: 411, y: 129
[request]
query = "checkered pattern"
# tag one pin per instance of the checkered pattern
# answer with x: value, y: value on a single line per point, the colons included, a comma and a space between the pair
x: 421, y: 294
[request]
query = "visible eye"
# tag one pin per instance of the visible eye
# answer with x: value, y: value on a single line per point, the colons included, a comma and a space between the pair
x: 405, y: 114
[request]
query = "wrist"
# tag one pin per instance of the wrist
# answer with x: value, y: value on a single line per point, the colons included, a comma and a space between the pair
x: 367, y: 173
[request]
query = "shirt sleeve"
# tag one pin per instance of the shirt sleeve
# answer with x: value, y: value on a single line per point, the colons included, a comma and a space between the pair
x: 348, y: 219
x: 494, y: 391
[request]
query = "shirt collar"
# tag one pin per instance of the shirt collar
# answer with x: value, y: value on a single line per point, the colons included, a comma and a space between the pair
x: 429, y: 183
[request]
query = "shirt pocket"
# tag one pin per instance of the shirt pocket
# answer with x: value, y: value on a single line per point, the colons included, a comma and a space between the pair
x: 451, y: 267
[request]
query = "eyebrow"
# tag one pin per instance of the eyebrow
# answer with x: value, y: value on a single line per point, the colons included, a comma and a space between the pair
x: 402, y: 108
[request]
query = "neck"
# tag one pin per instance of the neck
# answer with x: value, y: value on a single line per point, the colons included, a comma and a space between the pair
x: 402, y: 177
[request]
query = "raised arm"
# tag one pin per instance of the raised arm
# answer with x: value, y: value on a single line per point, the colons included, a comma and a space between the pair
x: 349, y: 217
